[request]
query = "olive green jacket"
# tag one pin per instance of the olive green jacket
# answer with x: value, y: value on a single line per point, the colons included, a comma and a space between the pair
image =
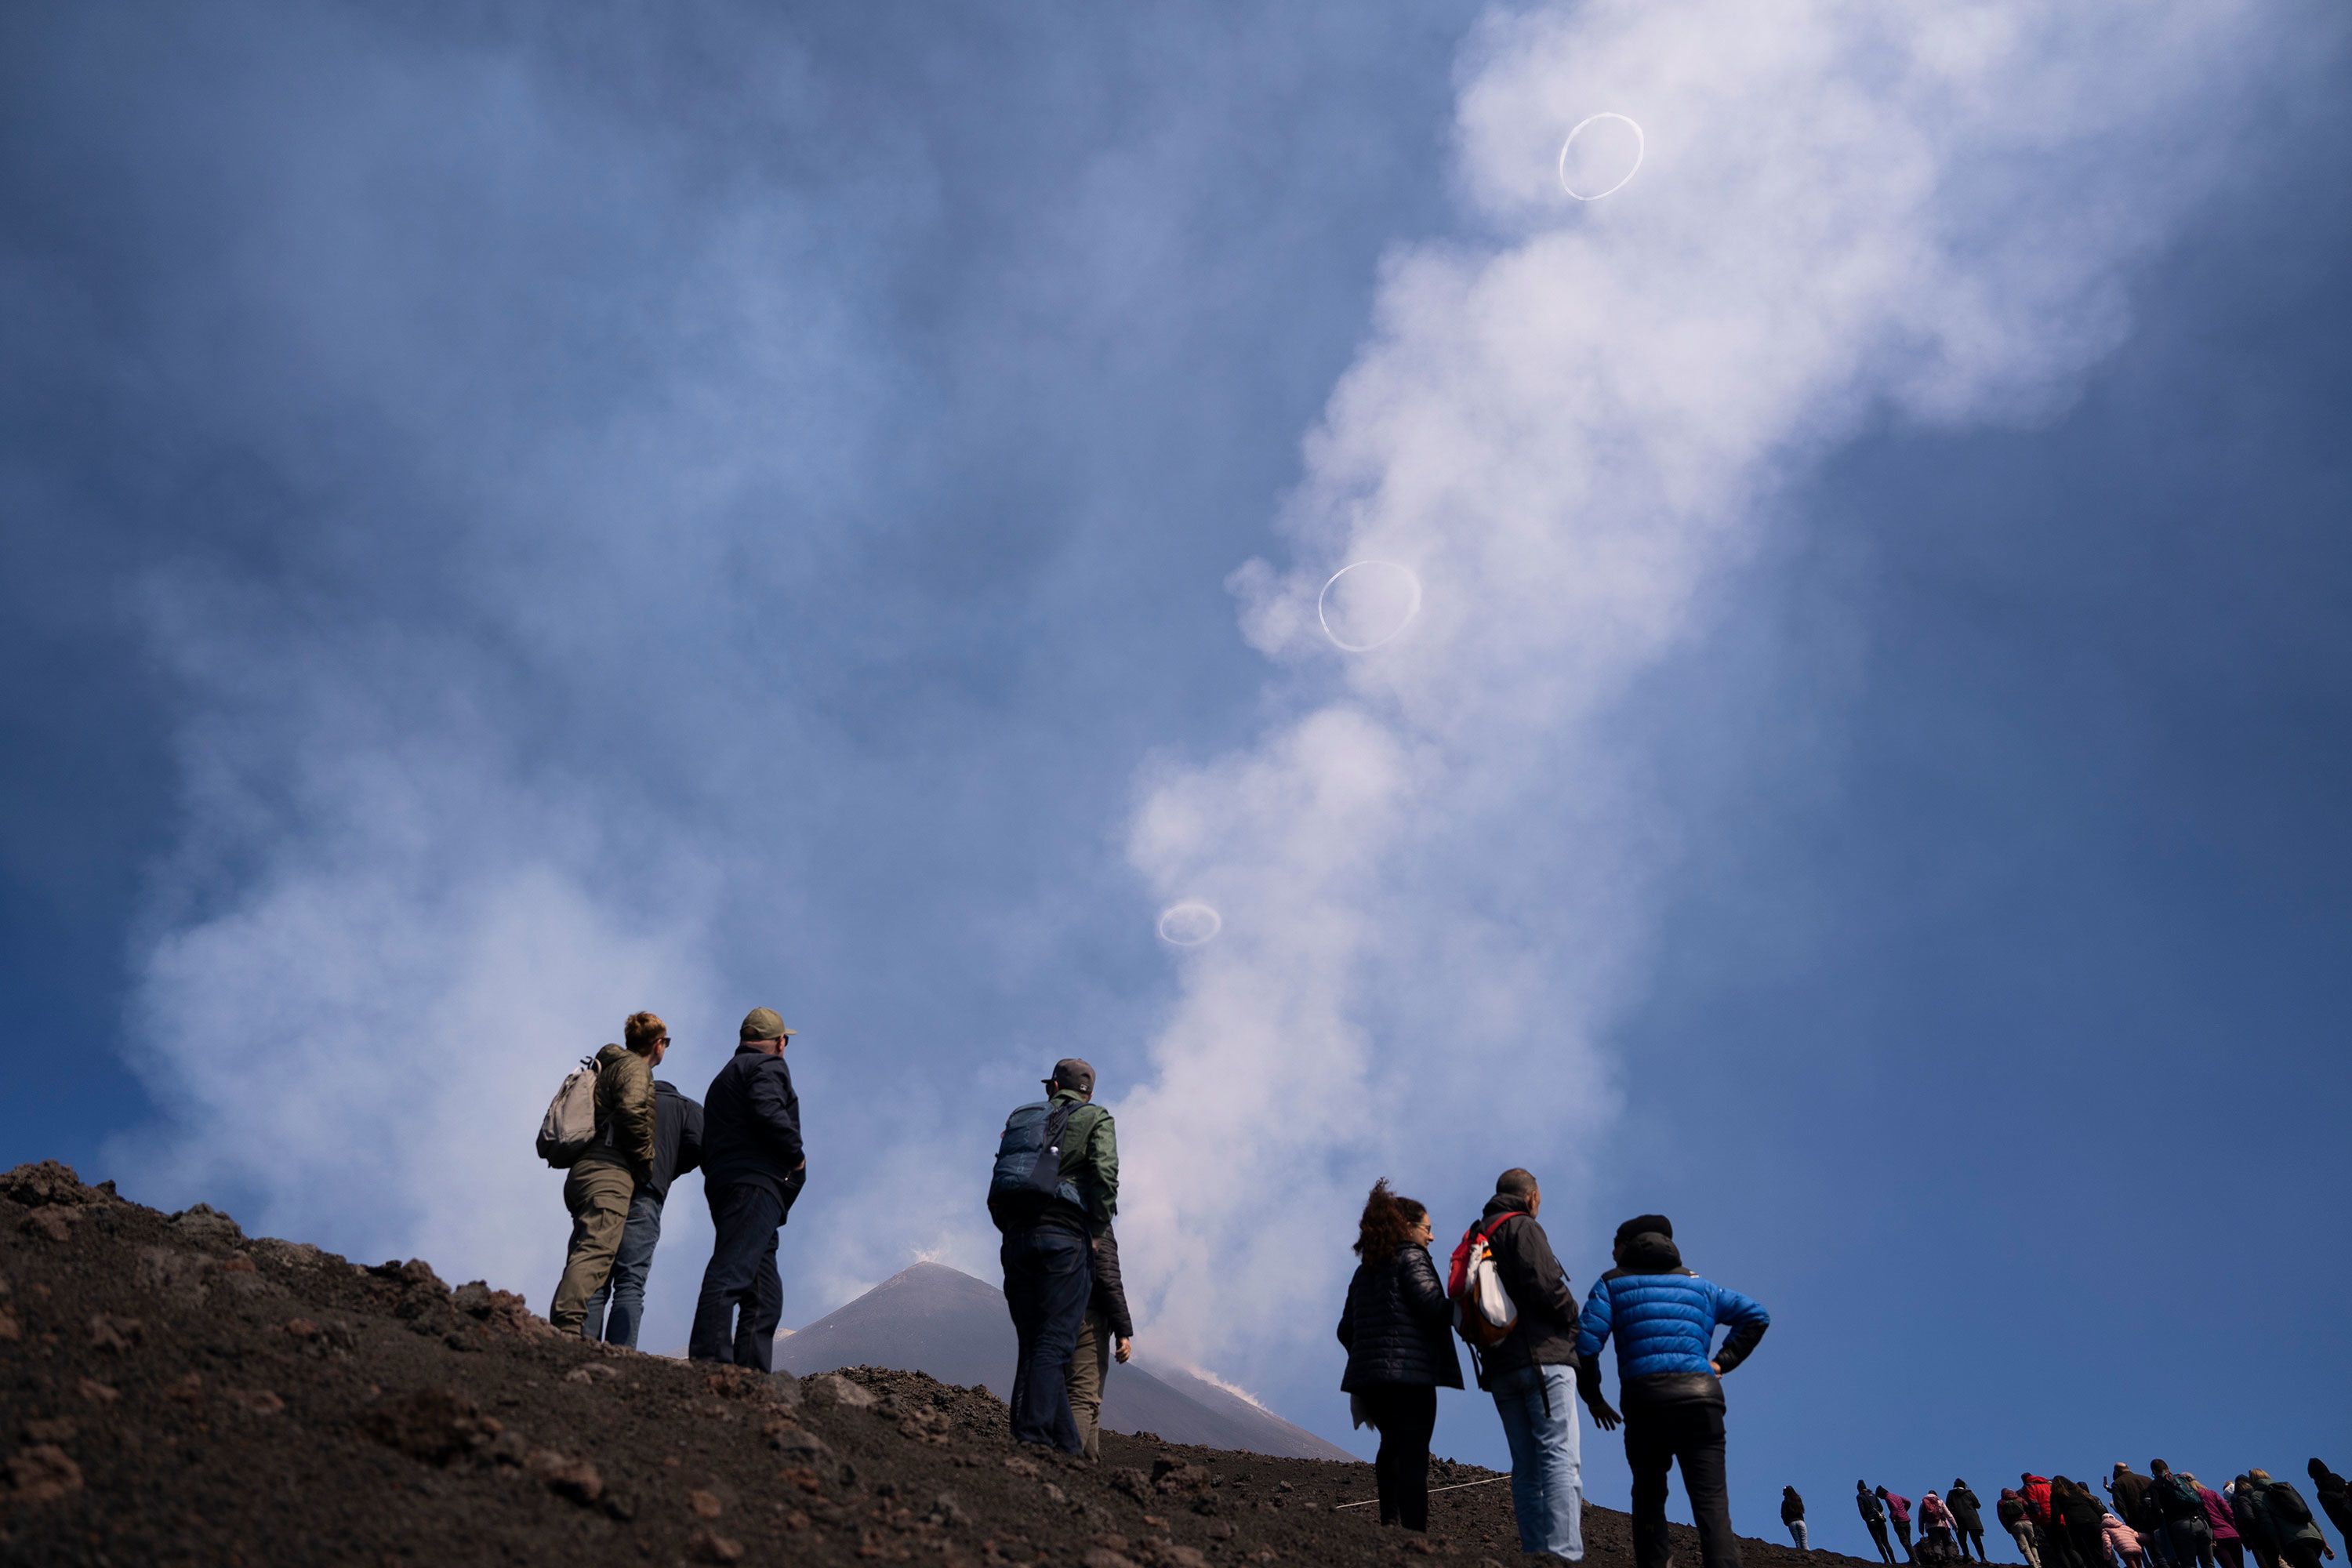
x: 1091, y: 1157
x: 624, y: 1110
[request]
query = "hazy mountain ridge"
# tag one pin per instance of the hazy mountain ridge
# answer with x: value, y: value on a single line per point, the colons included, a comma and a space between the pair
x: 934, y: 1319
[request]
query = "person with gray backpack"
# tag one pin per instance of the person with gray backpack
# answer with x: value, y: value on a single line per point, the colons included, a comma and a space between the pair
x: 1054, y: 1189
x: 599, y: 1131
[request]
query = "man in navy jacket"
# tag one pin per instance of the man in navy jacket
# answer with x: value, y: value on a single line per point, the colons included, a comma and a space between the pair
x: 1664, y: 1317
x: 753, y: 1170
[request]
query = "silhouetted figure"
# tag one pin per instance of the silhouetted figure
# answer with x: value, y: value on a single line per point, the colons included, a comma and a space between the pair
x: 1792, y: 1514
x: 1968, y: 1521
x: 2254, y: 1523
x: 1054, y: 1188
x: 2181, y: 1514
x: 1937, y: 1541
x: 2083, y: 1517
x: 752, y: 1171
x: 2334, y: 1500
x: 1898, y: 1514
x: 2228, y: 1549
x: 2056, y: 1552
x: 1400, y: 1348
x: 2129, y: 1490
x: 2015, y: 1518
x: 1106, y: 1333
x: 1664, y: 1317
x: 1873, y: 1518
x: 2300, y: 1543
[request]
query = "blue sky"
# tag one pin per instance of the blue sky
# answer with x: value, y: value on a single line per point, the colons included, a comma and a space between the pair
x: 504, y: 525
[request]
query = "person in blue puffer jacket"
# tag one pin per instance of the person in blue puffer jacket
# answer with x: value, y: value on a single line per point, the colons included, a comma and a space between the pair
x: 1668, y: 1374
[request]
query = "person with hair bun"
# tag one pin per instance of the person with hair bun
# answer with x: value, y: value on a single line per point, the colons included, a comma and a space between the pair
x: 603, y: 1182
x: 1400, y: 1346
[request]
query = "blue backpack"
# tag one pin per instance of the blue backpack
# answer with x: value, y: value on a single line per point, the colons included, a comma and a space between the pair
x: 1027, y: 1180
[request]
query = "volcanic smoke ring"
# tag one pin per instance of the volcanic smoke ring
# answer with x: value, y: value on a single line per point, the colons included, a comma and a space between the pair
x: 1641, y: 148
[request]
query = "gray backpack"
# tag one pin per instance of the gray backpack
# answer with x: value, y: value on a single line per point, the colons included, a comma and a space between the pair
x: 569, y: 1129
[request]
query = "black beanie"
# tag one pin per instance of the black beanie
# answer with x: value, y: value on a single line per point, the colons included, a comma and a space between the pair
x: 1646, y: 1224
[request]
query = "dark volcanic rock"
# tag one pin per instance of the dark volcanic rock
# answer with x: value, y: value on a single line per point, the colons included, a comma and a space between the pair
x: 152, y: 1409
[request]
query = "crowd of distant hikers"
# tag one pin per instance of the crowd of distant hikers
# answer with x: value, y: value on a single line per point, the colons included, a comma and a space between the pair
x: 2166, y: 1519
x: 623, y: 1137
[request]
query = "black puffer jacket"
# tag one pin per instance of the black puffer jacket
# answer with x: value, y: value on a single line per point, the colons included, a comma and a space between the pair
x: 1963, y: 1504
x: 1396, y: 1325
x: 1545, y: 1334
x: 1109, y: 1296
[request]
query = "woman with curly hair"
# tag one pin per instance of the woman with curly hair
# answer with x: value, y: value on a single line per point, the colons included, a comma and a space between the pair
x: 1400, y: 1347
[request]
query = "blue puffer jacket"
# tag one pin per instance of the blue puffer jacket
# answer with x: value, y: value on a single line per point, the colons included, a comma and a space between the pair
x: 1664, y: 1317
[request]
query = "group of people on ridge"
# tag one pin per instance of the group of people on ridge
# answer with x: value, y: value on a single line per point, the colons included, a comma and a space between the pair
x: 1949, y: 1526
x: 630, y: 1136
x: 1399, y: 1327
x: 625, y: 1137
x: 2166, y: 1519
x: 639, y: 1135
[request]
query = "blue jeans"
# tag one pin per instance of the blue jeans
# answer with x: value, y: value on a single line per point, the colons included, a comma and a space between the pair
x: 1048, y: 1276
x: 1547, y: 1457
x: 625, y: 1287
x: 742, y: 1274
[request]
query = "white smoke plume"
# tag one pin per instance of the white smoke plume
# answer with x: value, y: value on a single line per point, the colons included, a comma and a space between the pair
x: 1437, y: 866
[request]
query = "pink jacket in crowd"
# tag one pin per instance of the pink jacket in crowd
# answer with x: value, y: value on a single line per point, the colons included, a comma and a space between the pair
x: 2121, y: 1539
x: 2217, y: 1514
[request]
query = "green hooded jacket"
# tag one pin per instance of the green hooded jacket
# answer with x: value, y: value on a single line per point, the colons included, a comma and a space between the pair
x: 1091, y: 1157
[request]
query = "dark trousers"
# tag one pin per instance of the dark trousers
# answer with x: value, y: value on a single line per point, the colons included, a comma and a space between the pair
x: 2091, y: 1544
x: 1690, y: 1435
x: 1405, y: 1416
x: 1878, y: 1539
x: 742, y: 1298
x: 1972, y: 1533
x: 2192, y: 1541
x: 1049, y: 1275
x: 2230, y: 1553
x: 1902, y: 1534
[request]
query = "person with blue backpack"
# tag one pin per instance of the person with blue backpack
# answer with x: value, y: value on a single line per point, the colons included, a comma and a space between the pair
x: 1055, y: 1190
x: 1663, y: 1318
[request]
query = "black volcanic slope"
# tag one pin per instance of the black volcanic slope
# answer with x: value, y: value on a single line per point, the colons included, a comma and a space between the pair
x: 172, y: 1391
x: 941, y: 1320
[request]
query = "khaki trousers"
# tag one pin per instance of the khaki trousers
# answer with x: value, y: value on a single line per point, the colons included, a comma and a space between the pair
x: 1089, y: 1365
x: 597, y: 1192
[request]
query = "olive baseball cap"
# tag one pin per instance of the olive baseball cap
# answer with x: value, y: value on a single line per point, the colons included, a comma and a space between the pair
x: 764, y: 1024
x: 1072, y: 1073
